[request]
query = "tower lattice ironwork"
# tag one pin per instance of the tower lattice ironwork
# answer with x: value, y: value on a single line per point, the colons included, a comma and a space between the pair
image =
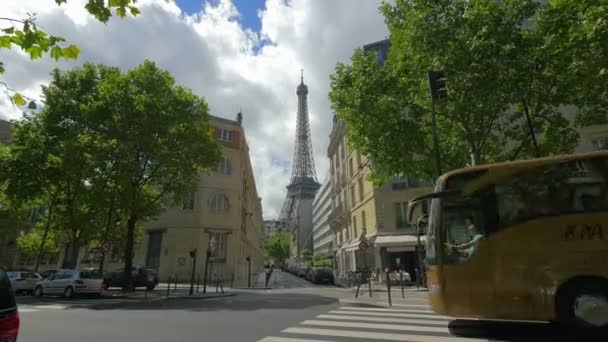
x: 303, y: 184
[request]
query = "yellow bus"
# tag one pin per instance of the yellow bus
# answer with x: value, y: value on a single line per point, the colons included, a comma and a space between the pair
x: 524, y: 240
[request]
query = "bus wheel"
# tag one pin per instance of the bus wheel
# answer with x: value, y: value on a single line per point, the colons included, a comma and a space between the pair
x: 584, y: 304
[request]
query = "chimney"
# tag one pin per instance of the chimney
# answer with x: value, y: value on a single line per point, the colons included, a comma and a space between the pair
x: 239, y: 118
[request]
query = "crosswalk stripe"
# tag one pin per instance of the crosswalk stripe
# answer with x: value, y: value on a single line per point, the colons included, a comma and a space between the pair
x: 52, y: 306
x: 390, y: 314
x: 287, y: 339
x: 21, y: 310
x: 378, y: 335
x: 384, y: 310
x: 384, y: 319
x: 422, y: 306
x: 376, y: 326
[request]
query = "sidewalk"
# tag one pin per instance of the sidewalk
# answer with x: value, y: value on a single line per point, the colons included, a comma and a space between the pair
x: 181, y: 291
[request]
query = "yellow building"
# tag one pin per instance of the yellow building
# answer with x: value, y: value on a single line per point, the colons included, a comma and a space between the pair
x: 368, y: 222
x: 225, y: 210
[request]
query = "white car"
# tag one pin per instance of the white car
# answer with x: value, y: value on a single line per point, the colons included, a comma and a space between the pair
x: 23, y: 281
x: 69, y: 283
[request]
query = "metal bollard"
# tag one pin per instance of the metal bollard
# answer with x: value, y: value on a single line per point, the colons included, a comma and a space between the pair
x: 232, y: 280
x: 388, y: 286
x: 169, y: 286
x: 369, y: 284
x: 198, y: 281
x: 175, y: 286
x: 402, y: 283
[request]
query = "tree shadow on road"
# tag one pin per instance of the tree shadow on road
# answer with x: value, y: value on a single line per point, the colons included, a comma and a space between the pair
x: 240, y: 302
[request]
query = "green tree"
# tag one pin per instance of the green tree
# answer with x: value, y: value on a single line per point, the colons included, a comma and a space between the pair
x: 277, y: 247
x: 499, y: 73
x: 26, y: 35
x: 160, y: 140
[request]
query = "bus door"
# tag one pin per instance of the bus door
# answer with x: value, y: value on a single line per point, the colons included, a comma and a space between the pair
x: 467, y: 258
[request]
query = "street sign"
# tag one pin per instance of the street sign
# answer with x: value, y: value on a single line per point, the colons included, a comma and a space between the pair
x: 106, y: 246
x: 363, y: 245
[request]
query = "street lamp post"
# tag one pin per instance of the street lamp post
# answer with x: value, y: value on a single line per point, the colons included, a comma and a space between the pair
x: 248, y: 271
x: 193, y: 256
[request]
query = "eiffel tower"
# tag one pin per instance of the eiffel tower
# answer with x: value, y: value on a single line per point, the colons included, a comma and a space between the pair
x: 297, y: 207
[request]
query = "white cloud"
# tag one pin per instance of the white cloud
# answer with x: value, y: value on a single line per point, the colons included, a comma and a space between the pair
x: 214, y: 55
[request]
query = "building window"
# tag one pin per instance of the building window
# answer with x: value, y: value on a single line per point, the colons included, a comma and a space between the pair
x: 352, y: 195
x: 399, y: 183
x: 400, y: 210
x: 361, y: 189
x: 354, y: 226
x: 600, y: 144
x: 220, y: 240
x: 219, y: 202
x: 225, y: 167
x: 188, y: 202
x: 225, y: 134
x: 363, y: 222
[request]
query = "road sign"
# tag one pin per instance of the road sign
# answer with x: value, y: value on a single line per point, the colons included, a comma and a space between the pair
x: 106, y: 246
x: 363, y: 245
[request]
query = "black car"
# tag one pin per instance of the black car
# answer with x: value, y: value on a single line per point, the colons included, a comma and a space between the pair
x: 322, y: 275
x: 141, y: 276
x: 9, y: 317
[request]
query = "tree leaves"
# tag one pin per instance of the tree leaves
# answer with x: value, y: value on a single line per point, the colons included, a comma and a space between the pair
x: 277, y: 247
x: 500, y: 58
x: 18, y: 99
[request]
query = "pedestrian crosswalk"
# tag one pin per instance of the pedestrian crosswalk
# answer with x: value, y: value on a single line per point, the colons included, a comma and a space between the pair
x: 408, y: 323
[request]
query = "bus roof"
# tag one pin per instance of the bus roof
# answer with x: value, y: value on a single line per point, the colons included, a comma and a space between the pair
x: 525, y: 163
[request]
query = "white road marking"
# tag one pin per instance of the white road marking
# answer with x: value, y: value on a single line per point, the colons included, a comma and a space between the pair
x: 52, y: 306
x: 390, y: 314
x: 384, y: 319
x: 379, y: 336
x: 22, y: 310
x: 377, y: 326
x: 287, y: 339
x: 385, y: 309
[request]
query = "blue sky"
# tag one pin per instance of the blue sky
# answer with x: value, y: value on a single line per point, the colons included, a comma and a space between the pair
x: 247, y: 8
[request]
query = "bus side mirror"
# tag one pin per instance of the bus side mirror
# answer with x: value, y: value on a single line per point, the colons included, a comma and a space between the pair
x: 411, y: 206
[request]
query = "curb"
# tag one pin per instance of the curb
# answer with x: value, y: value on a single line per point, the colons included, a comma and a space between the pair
x: 205, y: 297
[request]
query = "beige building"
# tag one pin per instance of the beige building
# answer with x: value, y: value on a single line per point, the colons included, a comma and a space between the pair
x: 224, y: 209
x: 368, y: 222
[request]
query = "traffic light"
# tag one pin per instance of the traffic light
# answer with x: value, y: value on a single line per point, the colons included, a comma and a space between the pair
x: 437, y: 85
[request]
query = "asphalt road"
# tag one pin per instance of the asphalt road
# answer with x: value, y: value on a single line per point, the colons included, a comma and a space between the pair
x: 293, y: 312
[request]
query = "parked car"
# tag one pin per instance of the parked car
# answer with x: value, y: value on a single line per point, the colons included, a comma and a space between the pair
x: 141, y: 276
x: 48, y: 273
x: 23, y: 281
x: 70, y: 283
x: 9, y: 316
x: 323, y: 275
x: 396, y: 278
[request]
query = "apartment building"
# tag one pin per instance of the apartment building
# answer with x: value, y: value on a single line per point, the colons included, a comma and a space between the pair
x: 321, y: 231
x: 368, y: 222
x: 273, y: 227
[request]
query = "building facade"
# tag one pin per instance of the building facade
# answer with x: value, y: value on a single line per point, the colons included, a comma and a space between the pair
x: 224, y: 211
x: 273, y: 227
x: 322, y: 237
x: 368, y: 222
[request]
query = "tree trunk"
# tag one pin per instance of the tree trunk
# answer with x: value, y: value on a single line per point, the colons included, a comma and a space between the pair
x: 129, y: 252
x: 105, y: 237
x: 74, y: 251
x: 45, y: 235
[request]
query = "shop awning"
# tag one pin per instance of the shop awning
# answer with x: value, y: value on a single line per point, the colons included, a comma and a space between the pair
x: 398, y: 240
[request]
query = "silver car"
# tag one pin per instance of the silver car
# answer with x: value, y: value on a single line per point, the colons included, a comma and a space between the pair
x: 23, y: 281
x: 69, y: 283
